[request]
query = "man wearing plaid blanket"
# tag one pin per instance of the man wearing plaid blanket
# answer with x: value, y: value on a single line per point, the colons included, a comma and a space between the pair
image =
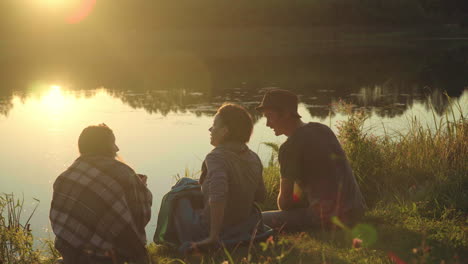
x: 100, y: 206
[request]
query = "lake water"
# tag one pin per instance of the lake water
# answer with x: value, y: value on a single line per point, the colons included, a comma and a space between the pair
x: 161, y: 110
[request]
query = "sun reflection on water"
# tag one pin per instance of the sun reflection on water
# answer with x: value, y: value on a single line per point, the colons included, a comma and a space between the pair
x: 55, y: 108
x: 55, y: 101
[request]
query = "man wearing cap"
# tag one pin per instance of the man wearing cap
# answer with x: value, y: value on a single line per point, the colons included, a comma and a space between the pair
x: 317, y: 182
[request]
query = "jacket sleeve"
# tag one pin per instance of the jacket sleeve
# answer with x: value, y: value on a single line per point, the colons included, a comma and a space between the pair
x: 218, y: 178
x: 260, y: 192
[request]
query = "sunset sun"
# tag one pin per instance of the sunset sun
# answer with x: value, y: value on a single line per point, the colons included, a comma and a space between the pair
x: 54, y: 100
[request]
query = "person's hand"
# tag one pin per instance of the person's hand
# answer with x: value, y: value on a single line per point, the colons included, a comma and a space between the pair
x: 143, y: 178
x: 193, y: 248
x: 188, y: 248
x: 205, y: 243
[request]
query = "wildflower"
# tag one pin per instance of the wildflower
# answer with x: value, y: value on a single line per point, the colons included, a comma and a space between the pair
x: 270, y: 240
x: 395, y: 259
x: 295, y: 198
x: 357, y: 243
x: 302, y: 235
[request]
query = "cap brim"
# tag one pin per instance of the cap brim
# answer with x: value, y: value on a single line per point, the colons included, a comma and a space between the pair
x: 261, y: 108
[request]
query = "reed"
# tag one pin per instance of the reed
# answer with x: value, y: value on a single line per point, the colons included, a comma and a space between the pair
x: 16, y: 240
x: 424, y: 164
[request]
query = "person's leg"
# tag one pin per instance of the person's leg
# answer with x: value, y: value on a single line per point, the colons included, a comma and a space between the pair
x: 295, y: 219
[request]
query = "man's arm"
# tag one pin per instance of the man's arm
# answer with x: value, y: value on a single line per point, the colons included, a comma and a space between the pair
x: 216, y: 221
x: 285, y: 196
x: 218, y: 189
x: 291, y: 162
x: 260, y: 193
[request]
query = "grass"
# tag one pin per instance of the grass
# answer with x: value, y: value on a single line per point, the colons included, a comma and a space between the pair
x: 16, y: 239
x: 415, y: 183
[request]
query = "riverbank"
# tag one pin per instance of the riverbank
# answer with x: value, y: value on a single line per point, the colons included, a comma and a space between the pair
x: 415, y: 183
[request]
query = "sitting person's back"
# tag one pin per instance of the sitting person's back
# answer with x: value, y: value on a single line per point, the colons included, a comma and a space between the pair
x: 315, y: 160
x: 231, y: 182
x: 232, y: 173
x: 100, y: 206
x: 316, y: 179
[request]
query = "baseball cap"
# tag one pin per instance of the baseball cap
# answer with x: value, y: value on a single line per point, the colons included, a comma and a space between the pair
x: 279, y: 99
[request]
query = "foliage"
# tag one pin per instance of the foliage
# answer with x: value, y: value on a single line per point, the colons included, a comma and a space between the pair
x: 423, y: 164
x: 16, y: 239
x: 271, y: 176
x: 16, y: 242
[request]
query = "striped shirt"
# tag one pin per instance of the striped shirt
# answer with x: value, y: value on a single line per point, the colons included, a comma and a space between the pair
x: 232, y: 173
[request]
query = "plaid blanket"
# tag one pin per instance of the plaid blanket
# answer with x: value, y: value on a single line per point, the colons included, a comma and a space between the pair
x: 100, y: 204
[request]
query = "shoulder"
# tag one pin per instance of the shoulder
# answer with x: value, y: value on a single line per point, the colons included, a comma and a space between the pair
x: 114, y: 164
x: 215, y: 158
x: 123, y: 171
x: 292, y: 143
x: 110, y: 166
x: 215, y: 154
x: 303, y: 137
x: 310, y: 132
x: 123, y: 167
x: 254, y: 158
x: 316, y: 128
x: 312, y: 128
x: 253, y: 154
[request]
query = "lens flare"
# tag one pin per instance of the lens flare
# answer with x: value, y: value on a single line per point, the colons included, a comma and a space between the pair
x: 366, y: 233
x: 81, y: 12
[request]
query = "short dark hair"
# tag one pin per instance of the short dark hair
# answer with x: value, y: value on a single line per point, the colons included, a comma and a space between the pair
x: 93, y: 140
x: 237, y: 120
